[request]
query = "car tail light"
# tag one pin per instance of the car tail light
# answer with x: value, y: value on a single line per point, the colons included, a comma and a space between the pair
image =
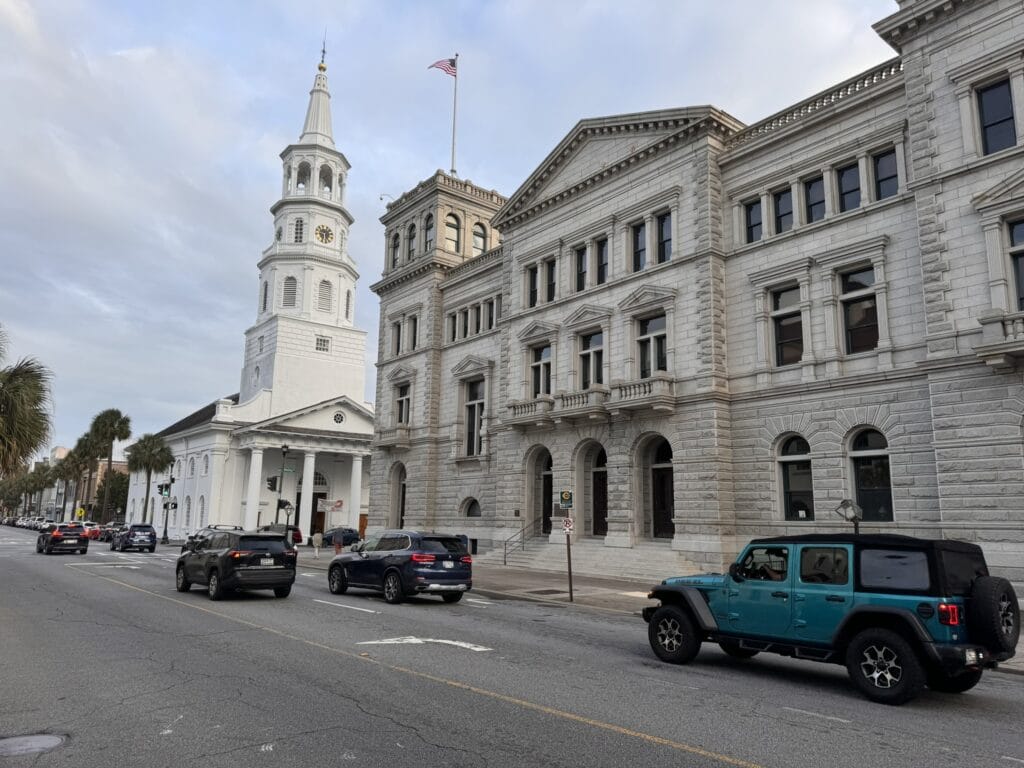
x: 465, y: 559
x: 237, y: 553
x: 56, y: 535
x: 421, y: 558
x: 949, y: 614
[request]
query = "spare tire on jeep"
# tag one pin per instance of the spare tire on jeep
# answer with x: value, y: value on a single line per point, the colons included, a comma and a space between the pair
x: 994, y: 614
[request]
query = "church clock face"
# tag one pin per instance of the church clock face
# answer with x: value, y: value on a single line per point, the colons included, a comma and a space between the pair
x: 324, y: 234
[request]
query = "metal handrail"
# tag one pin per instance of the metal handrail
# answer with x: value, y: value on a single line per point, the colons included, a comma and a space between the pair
x: 521, y: 535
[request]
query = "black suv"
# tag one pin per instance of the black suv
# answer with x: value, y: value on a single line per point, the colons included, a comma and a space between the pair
x: 138, y: 536
x: 898, y: 612
x: 400, y: 563
x: 228, y: 560
x: 62, y: 537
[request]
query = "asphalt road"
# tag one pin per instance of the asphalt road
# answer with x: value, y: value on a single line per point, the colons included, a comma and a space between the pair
x: 103, y: 650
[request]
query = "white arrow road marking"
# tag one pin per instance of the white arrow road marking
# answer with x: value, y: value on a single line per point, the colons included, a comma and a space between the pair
x: 422, y: 640
x: 816, y: 714
x: 342, y: 605
x: 167, y: 729
x: 266, y: 747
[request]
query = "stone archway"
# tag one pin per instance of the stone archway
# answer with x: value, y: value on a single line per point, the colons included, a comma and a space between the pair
x: 656, y: 488
x: 539, y: 489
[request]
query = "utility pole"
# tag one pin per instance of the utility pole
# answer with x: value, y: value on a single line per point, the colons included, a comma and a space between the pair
x: 280, y: 482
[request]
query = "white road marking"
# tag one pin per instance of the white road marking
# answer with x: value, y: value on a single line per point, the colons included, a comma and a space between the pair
x: 167, y: 728
x: 266, y: 747
x: 634, y: 594
x: 479, y: 602
x: 423, y: 640
x: 1013, y: 759
x: 342, y: 605
x: 314, y: 575
x: 816, y: 714
x: 108, y: 565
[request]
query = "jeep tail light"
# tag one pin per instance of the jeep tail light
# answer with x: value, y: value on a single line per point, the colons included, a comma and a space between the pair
x: 949, y: 614
x: 57, y: 534
x: 417, y: 557
x: 237, y: 553
x: 466, y: 559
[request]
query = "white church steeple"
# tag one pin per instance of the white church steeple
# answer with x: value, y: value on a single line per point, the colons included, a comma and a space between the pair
x: 317, y: 128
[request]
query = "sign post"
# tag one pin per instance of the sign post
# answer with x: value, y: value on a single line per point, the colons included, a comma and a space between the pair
x: 567, y: 525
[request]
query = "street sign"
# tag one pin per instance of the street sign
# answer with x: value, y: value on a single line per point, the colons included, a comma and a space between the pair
x: 567, y: 524
x: 565, y: 499
x: 79, y: 513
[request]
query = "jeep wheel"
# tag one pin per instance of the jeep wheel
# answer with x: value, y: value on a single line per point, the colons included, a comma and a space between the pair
x: 451, y: 597
x: 945, y: 683
x: 213, y: 587
x: 336, y: 581
x: 884, y: 667
x: 282, y: 591
x: 393, y: 588
x: 732, y: 648
x: 994, y: 614
x: 180, y: 582
x: 672, y: 635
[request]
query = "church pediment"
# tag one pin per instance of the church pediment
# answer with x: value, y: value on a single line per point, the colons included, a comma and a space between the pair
x: 401, y: 373
x: 337, y: 415
x: 647, y: 297
x: 472, y: 365
x: 1009, y: 193
x: 537, y: 330
x: 588, y: 315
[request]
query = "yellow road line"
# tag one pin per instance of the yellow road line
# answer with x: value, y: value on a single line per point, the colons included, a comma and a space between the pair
x: 521, y: 703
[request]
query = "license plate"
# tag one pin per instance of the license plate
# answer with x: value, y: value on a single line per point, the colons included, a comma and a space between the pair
x: 71, y: 541
x: 449, y: 564
x: 267, y: 561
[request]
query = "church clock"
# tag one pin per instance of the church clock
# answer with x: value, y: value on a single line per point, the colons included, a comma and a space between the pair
x: 324, y: 234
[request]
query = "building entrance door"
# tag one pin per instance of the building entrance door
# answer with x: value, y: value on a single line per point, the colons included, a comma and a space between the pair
x: 600, y: 502
x: 662, y: 526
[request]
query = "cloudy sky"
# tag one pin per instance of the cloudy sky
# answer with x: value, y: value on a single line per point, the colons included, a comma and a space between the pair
x: 140, y: 146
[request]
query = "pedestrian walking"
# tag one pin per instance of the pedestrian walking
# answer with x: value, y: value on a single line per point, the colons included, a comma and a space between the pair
x: 318, y: 541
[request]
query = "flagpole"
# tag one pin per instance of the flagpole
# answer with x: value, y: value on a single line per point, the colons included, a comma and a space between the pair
x: 455, y: 103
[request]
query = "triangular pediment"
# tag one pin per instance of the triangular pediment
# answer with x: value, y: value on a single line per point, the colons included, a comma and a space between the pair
x: 1008, y: 192
x: 470, y: 365
x: 339, y: 414
x: 401, y: 373
x: 537, y: 330
x: 646, y: 297
x: 588, y: 314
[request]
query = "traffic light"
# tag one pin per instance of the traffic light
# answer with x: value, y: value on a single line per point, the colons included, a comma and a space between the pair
x: 272, y: 483
x: 174, y: 505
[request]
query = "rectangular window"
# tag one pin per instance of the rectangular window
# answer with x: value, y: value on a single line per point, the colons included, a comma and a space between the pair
x: 783, y: 203
x: 894, y: 569
x: 474, y: 417
x: 549, y: 270
x: 581, y: 268
x: 664, y: 237
x: 259, y: 344
x: 591, y: 359
x: 453, y: 328
x: 789, y: 336
x: 652, y: 342
x: 602, y: 261
x: 490, y: 314
x: 402, y: 403
x: 752, y: 218
x: 887, y: 180
x: 824, y: 565
x: 477, y: 318
x: 464, y: 322
x: 497, y: 308
x: 532, y: 286
x: 848, y: 179
x: 1017, y: 257
x: 639, y: 232
x: 797, y: 491
x: 414, y: 328
x: 540, y: 370
x: 814, y: 199
x: 995, y: 109
x: 323, y: 344
x: 396, y: 338
x: 860, y: 314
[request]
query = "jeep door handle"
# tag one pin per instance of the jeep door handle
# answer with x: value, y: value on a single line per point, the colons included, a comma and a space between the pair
x: 780, y: 594
x: 835, y: 598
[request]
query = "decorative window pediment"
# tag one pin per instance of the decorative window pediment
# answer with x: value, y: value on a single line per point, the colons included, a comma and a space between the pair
x: 470, y: 366
x: 780, y: 273
x: 1006, y: 196
x: 871, y: 250
x: 647, y: 297
x: 536, y: 331
x: 588, y: 315
x: 402, y: 373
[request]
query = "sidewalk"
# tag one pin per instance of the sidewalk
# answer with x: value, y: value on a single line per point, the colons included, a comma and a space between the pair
x: 589, y: 592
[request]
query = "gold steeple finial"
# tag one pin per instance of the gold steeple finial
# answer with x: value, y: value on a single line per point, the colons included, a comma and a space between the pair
x: 323, y: 53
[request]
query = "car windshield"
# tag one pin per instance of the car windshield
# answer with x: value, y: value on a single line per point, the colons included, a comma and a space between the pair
x: 261, y: 544
x: 446, y: 544
x: 142, y: 528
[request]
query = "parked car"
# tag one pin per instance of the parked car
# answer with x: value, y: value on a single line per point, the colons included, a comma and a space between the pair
x: 899, y: 612
x: 109, y: 530
x: 402, y: 563
x: 291, y: 531
x: 92, y: 529
x: 62, y: 537
x: 138, y: 536
x: 345, y: 536
x: 228, y: 560
x: 206, y: 530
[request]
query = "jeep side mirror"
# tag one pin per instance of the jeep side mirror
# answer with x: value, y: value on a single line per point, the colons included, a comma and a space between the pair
x: 736, y: 572
x: 357, y: 547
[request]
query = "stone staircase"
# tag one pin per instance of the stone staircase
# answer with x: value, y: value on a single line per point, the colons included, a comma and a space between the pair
x: 648, y: 561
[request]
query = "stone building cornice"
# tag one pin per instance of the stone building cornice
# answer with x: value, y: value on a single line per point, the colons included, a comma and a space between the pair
x: 439, y: 182
x: 913, y: 18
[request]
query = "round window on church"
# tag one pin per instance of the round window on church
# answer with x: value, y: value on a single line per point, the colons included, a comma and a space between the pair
x: 339, y: 417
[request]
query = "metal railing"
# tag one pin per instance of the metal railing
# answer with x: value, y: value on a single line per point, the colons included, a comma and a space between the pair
x: 512, y: 542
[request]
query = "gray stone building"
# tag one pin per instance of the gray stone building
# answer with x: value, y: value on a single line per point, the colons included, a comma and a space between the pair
x: 706, y: 331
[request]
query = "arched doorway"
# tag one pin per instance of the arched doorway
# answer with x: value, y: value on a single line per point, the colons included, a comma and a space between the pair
x: 599, y: 493
x: 539, y: 488
x: 662, y: 491
x: 397, y: 516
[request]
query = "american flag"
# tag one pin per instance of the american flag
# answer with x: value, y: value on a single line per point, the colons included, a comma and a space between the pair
x: 445, y: 65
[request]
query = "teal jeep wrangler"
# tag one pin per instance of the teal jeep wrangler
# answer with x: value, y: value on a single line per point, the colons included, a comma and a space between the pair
x: 900, y: 613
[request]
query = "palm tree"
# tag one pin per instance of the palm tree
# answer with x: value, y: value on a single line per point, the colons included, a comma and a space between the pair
x: 67, y: 470
x: 149, y: 454
x: 86, y: 449
x: 24, y: 410
x: 108, y: 426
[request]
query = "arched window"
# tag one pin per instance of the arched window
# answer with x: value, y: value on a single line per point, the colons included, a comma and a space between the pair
x: 325, y: 180
x: 206, y: 464
x: 452, y: 233
x: 395, y: 250
x: 256, y: 376
x: 177, y: 469
x: 291, y: 289
x: 325, y: 296
x: 202, y: 512
x: 302, y: 182
x: 479, y: 239
x: 348, y: 305
x: 797, y: 489
x: 869, y: 452
x: 266, y: 294
x: 473, y: 508
x: 192, y: 467
x: 188, y: 512
x: 428, y: 232
x: 299, y: 226
x: 410, y: 243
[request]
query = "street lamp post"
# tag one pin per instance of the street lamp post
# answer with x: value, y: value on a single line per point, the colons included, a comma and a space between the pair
x: 167, y: 509
x: 280, y: 482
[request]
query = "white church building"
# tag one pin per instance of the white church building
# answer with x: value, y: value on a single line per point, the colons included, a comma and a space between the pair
x: 293, y: 444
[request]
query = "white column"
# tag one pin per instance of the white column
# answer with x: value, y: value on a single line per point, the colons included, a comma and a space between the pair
x: 355, y: 492
x: 308, y: 481
x: 252, y: 495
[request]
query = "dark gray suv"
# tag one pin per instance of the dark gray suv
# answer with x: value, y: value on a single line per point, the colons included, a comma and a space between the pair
x: 228, y: 560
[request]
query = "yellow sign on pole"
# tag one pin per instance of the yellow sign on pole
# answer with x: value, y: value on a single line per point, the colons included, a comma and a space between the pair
x: 79, y: 513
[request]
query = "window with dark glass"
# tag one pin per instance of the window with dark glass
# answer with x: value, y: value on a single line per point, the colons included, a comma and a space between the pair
x: 860, y: 312
x: 1017, y: 257
x: 602, y: 261
x: 549, y: 273
x: 581, y: 268
x: 474, y: 417
x: 464, y: 322
x: 664, y: 237
x: 814, y: 199
x: 477, y: 318
x: 452, y: 233
x: 788, y: 324
x: 752, y: 220
x: 410, y: 245
x: 540, y: 370
x: 591, y: 359
x: 490, y: 314
x: 453, y: 328
x: 414, y: 328
x: 995, y: 108
x: 639, y: 232
x: 797, y: 489
x: 652, y: 343
x: 848, y: 179
x: 872, y: 485
x: 532, y: 280
x: 299, y: 227
x: 395, y: 250
x: 479, y: 239
x: 783, y: 204
x: 887, y: 180
x: 396, y: 338
x: 402, y: 405
x: 428, y: 232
